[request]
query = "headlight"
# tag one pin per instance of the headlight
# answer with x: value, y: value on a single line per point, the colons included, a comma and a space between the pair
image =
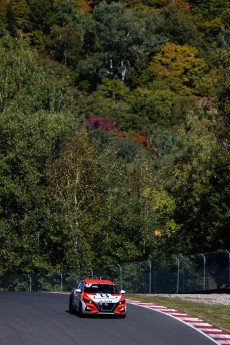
x: 86, y: 300
x: 122, y: 302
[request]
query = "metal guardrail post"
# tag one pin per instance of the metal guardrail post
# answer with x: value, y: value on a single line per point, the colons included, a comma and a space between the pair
x: 204, y: 272
x: 228, y: 268
x: 150, y: 276
x: 30, y: 280
x: 61, y: 287
x: 91, y: 272
x: 121, y: 280
x: 178, y: 275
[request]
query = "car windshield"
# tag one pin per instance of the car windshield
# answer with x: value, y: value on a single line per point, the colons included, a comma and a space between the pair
x: 101, y: 288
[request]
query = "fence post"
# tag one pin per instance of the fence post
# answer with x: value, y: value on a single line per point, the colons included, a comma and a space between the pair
x: 150, y: 276
x: 121, y: 281
x: 30, y: 280
x: 204, y: 281
x: 61, y: 287
x: 228, y: 268
x: 178, y: 275
x: 91, y: 272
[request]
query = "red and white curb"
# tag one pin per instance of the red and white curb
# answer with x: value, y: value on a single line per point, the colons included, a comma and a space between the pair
x: 216, y: 335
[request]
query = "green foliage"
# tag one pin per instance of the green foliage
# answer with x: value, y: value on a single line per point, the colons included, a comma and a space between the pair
x: 154, y: 105
x: 42, y: 15
x: 21, y: 12
x: 179, y: 27
x: 221, y: 80
x: 65, y: 45
x: 225, y: 36
x: 209, y: 8
x: 207, y: 14
x: 189, y: 178
x: 154, y: 177
x: 123, y: 221
x: 24, y: 85
x: 74, y: 194
x: 115, y: 37
x: 26, y: 145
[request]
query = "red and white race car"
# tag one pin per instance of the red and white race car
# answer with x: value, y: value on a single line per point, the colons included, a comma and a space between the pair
x: 96, y: 296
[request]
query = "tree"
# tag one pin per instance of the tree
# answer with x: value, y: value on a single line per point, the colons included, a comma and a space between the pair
x: 11, y: 20
x: 111, y: 99
x: 189, y: 176
x: 114, y: 39
x: 4, y: 6
x: 68, y: 13
x: 84, y: 5
x: 21, y: 12
x: 42, y: 15
x: 154, y: 106
x: 76, y: 203
x: 220, y: 76
x: 179, y: 27
x: 209, y: 8
x: 181, y: 66
x: 225, y: 30
x: 208, y: 17
x: 65, y: 45
x: 33, y: 128
x: 26, y: 145
x: 25, y: 85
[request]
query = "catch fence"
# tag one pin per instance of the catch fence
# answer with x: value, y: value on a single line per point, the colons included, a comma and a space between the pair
x: 205, y: 272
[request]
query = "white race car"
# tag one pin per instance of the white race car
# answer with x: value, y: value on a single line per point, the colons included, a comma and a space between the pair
x: 96, y: 296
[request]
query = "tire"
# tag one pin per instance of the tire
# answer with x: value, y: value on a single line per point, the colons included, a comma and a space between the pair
x: 80, y: 312
x: 122, y: 316
x: 71, y: 309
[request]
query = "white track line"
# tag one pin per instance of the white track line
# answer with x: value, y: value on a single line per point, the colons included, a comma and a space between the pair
x: 214, y: 334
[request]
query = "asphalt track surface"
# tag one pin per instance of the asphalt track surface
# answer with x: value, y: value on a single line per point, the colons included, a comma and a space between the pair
x: 43, y: 319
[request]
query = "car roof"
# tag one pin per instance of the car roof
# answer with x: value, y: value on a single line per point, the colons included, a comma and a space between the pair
x: 98, y: 281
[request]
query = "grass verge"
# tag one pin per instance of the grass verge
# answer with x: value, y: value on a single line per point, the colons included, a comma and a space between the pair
x: 217, y: 315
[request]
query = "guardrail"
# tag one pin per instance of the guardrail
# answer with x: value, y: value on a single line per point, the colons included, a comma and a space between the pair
x: 205, y: 272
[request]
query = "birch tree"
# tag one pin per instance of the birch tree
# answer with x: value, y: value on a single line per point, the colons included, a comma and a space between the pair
x: 115, y: 38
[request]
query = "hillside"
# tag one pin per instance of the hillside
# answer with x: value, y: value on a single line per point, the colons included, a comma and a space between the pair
x: 114, y: 131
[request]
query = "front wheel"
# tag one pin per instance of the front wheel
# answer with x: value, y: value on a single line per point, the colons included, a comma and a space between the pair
x: 80, y: 312
x: 71, y: 309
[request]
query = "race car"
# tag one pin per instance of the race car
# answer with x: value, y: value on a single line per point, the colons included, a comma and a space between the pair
x: 96, y: 296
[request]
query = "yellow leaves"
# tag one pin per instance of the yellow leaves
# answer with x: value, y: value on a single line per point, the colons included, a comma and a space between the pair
x: 180, y: 64
x: 83, y: 5
x: 176, y: 171
x: 3, y: 6
x: 161, y: 208
x: 172, y: 55
x: 163, y: 205
x: 168, y: 229
x: 212, y: 27
x: 146, y: 193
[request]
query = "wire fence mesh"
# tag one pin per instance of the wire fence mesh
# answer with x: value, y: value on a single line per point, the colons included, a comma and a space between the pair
x: 171, y: 275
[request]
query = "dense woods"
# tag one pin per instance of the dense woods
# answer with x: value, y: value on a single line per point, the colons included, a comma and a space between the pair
x: 114, y: 131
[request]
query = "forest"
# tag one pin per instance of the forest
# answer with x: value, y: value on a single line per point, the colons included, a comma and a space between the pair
x: 114, y: 131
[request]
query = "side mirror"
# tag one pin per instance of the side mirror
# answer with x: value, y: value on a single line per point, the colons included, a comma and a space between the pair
x: 78, y: 290
x: 122, y: 292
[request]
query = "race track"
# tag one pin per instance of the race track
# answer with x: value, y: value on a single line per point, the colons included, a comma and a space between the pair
x: 43, y: 319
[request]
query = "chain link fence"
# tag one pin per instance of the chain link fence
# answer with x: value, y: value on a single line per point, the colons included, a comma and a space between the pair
x: 208, y: 272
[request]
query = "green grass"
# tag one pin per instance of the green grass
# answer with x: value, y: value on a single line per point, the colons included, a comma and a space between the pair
x: 217, y: 315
